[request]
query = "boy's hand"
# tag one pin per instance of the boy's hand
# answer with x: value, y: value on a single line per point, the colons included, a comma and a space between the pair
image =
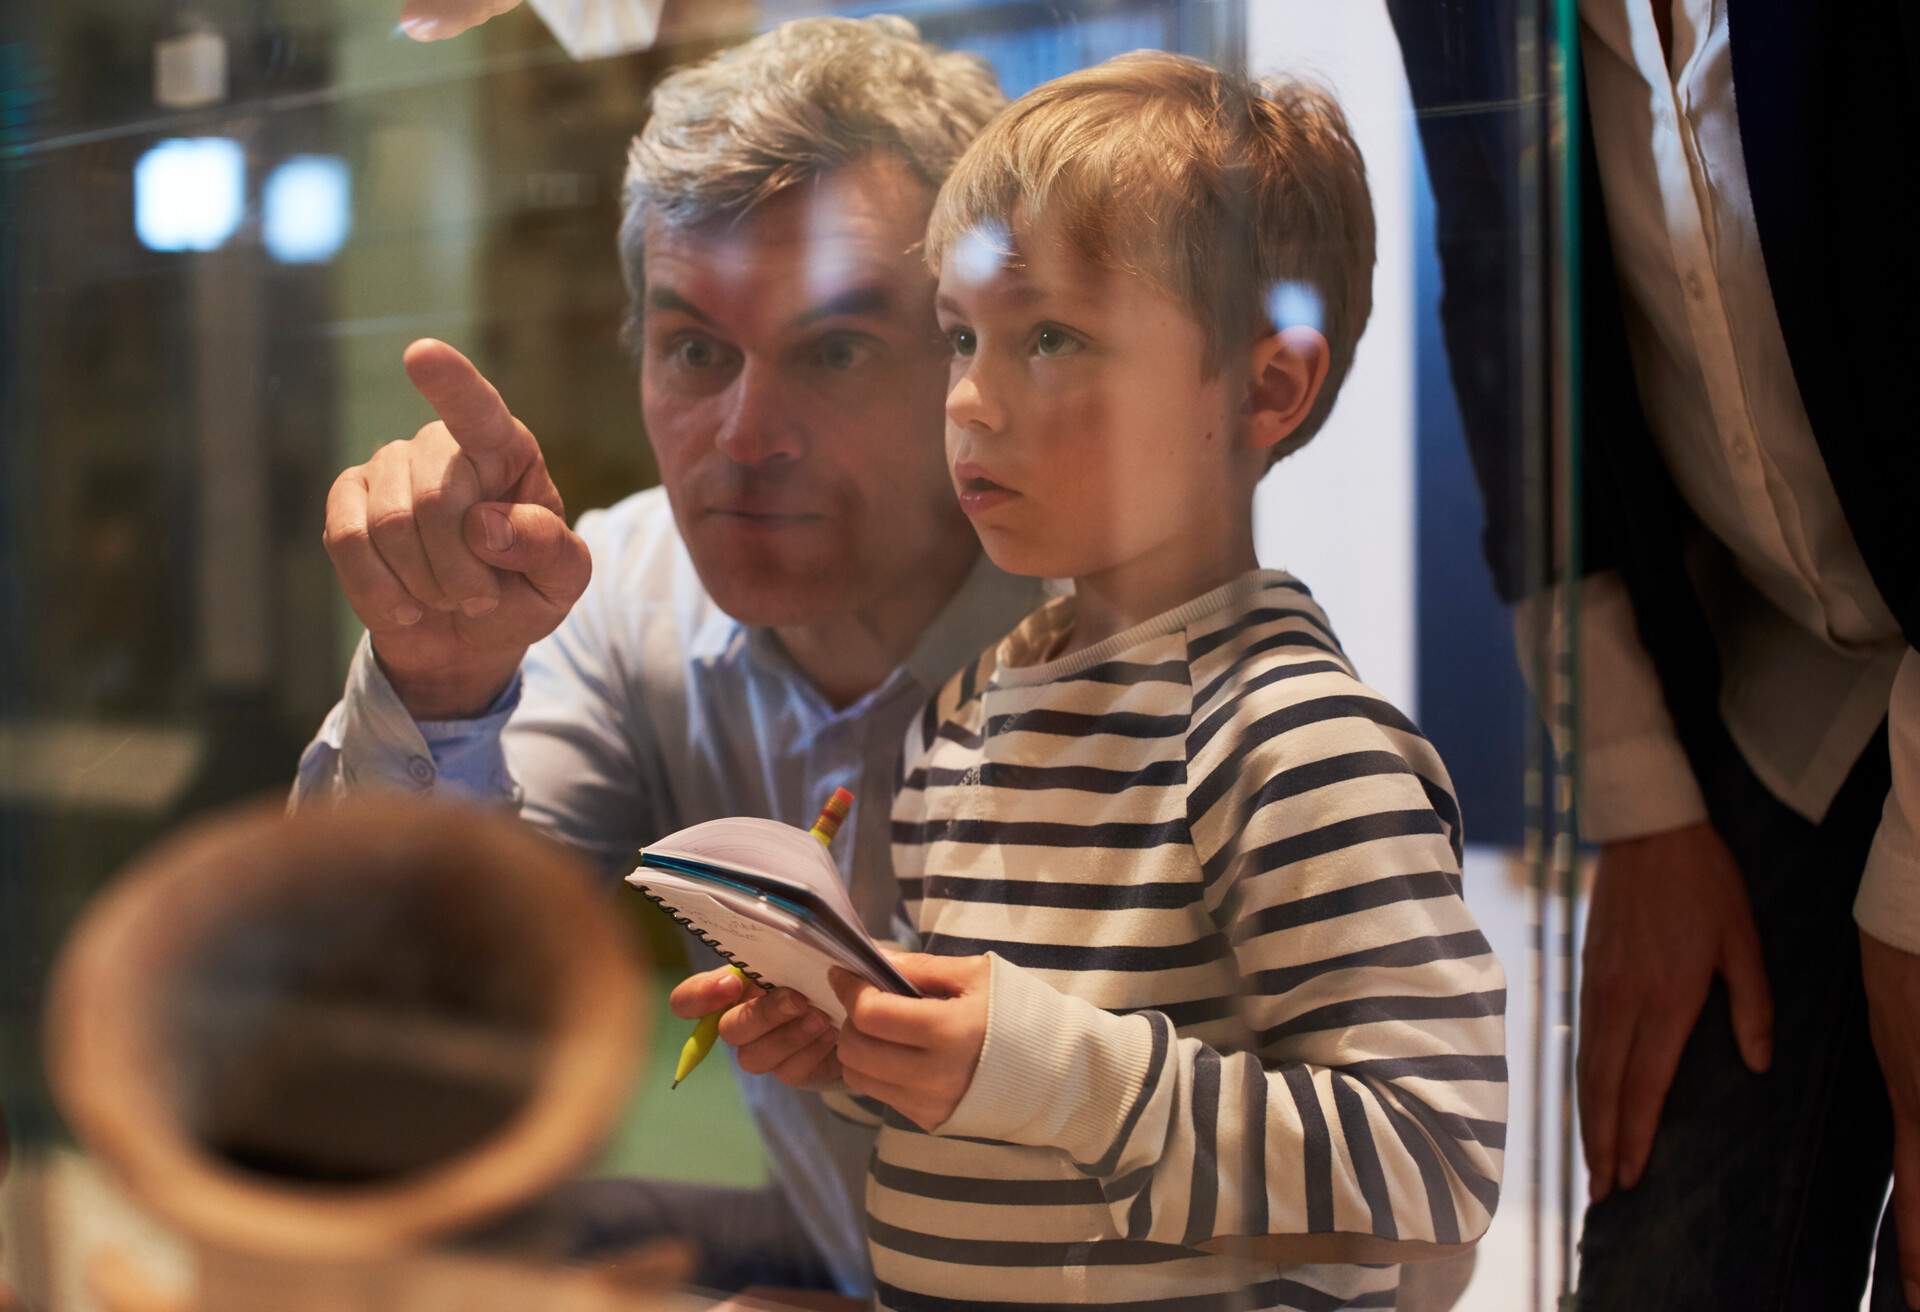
x: 776, y: 1033
x: 915, y: 1054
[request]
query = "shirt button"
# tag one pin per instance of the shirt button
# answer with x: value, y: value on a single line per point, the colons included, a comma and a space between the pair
x: 420, y: 770
x: 1696, y: 286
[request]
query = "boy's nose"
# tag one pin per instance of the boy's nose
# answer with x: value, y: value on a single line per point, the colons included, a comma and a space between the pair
x: 972, y: 405
x: 756, y: 428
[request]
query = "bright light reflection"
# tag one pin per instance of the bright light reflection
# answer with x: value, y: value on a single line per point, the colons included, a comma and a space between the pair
x: 981, y: 251
x: 189, y: 193
x: 1295, y: 305
x: 306, y: 208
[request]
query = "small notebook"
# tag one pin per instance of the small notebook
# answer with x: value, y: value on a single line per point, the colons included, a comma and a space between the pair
x: 765, y: 896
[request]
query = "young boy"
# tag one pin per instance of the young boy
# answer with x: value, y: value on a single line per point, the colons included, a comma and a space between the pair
x: 1204, y: 1002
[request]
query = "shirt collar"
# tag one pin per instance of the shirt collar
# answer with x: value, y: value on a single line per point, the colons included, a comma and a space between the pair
x: 988, y: 603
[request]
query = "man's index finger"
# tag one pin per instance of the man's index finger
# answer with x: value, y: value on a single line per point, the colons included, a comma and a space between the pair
x: 471, y: 409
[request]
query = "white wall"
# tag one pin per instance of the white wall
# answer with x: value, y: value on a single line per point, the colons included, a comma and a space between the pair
x: 1340, y: 513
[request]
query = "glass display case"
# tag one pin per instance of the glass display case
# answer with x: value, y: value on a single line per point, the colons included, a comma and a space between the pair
x: 225, y: 220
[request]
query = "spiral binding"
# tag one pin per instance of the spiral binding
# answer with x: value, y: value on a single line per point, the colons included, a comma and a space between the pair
x: 687, y: 924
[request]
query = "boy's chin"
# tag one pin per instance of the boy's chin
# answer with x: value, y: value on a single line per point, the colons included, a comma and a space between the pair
x: 1017, y: 558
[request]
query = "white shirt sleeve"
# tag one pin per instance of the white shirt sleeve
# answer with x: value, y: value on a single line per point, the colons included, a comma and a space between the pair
x: 1888, y: 906
x: 1632, y: 776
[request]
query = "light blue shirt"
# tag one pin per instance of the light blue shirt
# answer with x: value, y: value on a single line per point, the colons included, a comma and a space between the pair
x: 650, y: 709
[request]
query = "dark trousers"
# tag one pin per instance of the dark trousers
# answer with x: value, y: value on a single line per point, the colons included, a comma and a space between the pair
x: 1764, y: 1191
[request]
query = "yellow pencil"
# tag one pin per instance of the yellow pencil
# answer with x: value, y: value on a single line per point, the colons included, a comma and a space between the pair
x: 701, y: 1041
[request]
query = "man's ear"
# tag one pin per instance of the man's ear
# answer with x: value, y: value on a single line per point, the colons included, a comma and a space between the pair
x: 1287, y: 370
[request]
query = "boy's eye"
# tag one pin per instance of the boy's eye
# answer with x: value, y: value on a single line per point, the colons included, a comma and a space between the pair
x: 1051, y: 341
x: 961, y: 340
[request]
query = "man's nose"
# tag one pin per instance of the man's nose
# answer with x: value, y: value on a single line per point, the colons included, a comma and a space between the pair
x: 973, y: 400
x: 760, y: 426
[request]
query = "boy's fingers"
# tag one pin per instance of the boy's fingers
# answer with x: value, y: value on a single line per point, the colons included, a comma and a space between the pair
x: 816, y: 1063
x: 705, y: 993
x: 936, y: 975
x: 896, y: 1096
x: 896, y: 1063
x: 880, y: 1014
x: 758, y: 1017
x: 771, y: 1050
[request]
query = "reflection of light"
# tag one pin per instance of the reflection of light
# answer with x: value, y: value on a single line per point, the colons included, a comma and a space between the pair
x: 1295, y: 305
x: 981, y: 250
x: 306, y: 208
x: 188, y: 193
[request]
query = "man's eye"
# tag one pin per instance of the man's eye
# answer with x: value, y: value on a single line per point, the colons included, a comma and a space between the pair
x: 1055, y: 341
x: 842, y: 353
x: 961, y: 341
x: 695, y: 353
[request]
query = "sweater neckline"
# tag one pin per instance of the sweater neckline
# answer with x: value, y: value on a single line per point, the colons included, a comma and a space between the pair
x: 1048, y: 628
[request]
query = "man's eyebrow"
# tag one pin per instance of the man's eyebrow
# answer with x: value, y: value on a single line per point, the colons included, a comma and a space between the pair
x: 866, y: 299
x: 665, y: 298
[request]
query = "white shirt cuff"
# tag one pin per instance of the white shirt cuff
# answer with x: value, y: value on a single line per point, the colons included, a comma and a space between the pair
x: 1888, y: 905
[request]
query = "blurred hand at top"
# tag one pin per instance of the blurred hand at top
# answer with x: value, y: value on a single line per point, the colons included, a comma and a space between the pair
x: 436, y: 20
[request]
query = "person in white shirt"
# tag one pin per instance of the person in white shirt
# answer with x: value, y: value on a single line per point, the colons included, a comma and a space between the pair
x: 754, y: 634
x: 1749, y: 759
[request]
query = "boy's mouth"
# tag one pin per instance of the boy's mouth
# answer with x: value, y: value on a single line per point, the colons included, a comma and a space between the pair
x: 969, y: 477
x: 978, y: 492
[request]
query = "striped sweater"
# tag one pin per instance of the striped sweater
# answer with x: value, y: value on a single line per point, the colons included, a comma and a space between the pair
x: 1234, y: 989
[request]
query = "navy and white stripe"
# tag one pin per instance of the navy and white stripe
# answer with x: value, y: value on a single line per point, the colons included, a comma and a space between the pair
x: 1236, y: 990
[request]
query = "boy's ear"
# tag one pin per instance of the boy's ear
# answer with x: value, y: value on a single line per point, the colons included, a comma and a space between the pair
x: 1288, y: 368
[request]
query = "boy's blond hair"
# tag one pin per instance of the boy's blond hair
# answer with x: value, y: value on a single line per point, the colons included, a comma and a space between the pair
x: 1244, y: 200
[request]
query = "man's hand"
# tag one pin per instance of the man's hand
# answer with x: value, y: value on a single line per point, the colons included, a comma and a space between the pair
x: 436, y: 20
x: 776, y: 1032
x: 915, y: 1054
x: 1669, y: 911
x: 1892, y: 980
x: 453, y: 547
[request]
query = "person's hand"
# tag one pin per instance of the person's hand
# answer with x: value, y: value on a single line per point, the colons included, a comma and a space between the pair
x: 1892, y: 980
x: 915, y: 1054
x: 776, y: 1032
x: 1669, y: 911
x: 453, y: 546
x: 436, y: 20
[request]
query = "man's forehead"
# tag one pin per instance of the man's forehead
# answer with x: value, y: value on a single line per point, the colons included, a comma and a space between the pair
x: 860, y: 223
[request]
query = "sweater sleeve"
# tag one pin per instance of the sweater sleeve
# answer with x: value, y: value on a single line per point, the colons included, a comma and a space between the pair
x: 1373, y: 1101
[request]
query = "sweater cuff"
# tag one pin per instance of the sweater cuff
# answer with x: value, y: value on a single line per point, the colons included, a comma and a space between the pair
x: 1054, y: 1071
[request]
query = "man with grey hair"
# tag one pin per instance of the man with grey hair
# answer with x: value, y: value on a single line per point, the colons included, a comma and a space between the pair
x: 757, y: 632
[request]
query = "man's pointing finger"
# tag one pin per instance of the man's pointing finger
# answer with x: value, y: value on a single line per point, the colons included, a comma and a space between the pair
x: 499, y: 445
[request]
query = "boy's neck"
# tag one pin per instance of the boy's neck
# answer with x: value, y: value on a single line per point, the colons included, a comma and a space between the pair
x: 1135, y: 591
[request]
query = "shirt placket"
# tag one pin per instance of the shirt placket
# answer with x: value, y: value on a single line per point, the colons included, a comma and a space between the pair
x: 1685, y: 202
